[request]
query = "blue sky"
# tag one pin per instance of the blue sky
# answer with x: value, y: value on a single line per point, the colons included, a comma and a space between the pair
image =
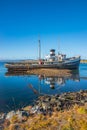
x: 57, y: 22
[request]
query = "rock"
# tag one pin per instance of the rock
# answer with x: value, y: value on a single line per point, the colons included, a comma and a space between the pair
x: 81, y: 91
x: 27, y: 108
x: 44, y: 106
x: 53, y: 99
x: 62, y: 98
x: 39, y: 112
x: 10, y: 115
x: 86, y: 99
x: 49, y: 107
x: 59, y: 103
x: 15, y: 127
x: 37, y: 107
x: 2, y: 116
x: 58, y: 108
x: 82, y: 101
x: 47, y: 99
x: 22, y: 113
x: 39, y: 104
x: 6, y: 123
x: 1, y: 128
x: 33, y: 110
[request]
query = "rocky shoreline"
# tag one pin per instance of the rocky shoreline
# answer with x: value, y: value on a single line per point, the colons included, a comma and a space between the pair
x: 46, y: 105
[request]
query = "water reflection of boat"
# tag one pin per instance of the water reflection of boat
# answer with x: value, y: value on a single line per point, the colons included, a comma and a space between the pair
x: 60, y: 81
x: 54, y: 82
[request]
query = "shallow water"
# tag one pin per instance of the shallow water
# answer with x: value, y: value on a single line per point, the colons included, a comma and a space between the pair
x: 22, y: 90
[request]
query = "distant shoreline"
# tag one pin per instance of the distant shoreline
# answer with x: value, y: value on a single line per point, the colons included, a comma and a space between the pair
x: 83, y: 61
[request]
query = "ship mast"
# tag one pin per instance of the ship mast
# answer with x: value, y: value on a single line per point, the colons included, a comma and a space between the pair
x: 58, y: 45
x: 39, y: 49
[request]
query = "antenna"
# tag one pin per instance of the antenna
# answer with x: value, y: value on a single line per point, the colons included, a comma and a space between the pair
x: 39, y: 49
x: 59, y: 45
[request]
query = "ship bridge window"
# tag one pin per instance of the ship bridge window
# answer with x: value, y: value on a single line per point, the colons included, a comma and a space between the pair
x: 60, y: 58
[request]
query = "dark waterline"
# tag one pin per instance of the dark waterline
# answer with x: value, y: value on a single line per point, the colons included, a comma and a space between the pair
x: 22, y: 90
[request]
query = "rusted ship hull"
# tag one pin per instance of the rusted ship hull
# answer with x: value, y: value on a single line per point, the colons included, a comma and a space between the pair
x: 74, y: 64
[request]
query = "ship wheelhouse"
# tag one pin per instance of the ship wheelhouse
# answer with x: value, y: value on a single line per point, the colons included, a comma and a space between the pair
x: 52, y: 57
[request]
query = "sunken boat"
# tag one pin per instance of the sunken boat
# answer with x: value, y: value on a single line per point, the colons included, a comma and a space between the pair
x: 59, y: 61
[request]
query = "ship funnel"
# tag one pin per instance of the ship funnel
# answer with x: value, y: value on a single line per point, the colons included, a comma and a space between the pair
x: 52, y: 52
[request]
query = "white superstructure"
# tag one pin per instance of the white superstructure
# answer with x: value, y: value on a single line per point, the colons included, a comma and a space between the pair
x: 53, y: 57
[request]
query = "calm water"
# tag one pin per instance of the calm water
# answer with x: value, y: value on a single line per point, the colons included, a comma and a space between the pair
x: 19, y: 91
